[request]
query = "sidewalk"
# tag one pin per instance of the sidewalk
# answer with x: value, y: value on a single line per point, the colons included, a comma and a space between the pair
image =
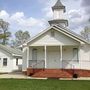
x: 22, y: 76
x: 17, y: 76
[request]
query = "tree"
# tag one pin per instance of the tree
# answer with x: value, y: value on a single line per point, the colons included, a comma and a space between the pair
x: 86, y: 33
x: 4, y: 33
x: 20, y: 38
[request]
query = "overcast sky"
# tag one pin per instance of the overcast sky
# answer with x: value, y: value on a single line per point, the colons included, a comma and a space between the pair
x: 33, y: 15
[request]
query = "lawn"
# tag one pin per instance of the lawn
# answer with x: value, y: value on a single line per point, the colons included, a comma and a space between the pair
x: 13, y: 84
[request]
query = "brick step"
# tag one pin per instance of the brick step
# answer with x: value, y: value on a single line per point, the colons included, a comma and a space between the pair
x: 60, y: 73
x: 52, y: 73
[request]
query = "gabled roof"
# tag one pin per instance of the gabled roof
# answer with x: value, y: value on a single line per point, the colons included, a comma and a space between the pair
x: 36, y: 36
x: 63, y: 29
x: 58, y: 5
x: 12, y: 51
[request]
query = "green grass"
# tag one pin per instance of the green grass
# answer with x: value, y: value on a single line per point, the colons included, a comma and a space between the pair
x: 13, y: 84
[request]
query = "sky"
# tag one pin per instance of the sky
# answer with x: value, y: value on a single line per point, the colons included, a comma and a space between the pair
x: 33, y: 15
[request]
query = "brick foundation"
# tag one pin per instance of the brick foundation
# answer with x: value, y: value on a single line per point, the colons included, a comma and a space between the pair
x: 24, y: 72
x: 57, y: 73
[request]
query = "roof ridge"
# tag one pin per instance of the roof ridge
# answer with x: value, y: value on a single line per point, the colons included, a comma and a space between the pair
x: 64, y: 29
x: 11, y: 50
x: 72, y: 32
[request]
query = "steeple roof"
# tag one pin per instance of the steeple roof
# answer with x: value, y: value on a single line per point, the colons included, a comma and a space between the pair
x: 58, y: 5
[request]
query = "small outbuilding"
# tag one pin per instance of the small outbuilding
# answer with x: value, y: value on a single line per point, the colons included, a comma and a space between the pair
x: 10, y: 59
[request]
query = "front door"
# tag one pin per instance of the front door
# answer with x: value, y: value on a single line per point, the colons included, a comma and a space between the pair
x: 53, y: 60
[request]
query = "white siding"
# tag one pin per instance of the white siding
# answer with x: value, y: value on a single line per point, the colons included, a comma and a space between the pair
x: 40, y: 53
x: 58, y: 14
x: 59, y: 39
x: 19, y: 66
x: 85, y: 56
x: 85, y: 52
x: 11, y: 62
x: 9, y: 67
x: 68, y: 52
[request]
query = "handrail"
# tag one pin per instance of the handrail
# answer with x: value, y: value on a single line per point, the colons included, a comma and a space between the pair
x: 34, y: 63
x: 72, y: 66
x: 37, y: 63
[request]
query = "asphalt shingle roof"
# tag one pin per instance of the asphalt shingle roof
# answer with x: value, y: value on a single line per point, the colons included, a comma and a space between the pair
x: 11, y: 50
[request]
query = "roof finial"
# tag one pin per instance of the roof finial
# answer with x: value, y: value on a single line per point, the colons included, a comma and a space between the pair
x: 58, y: 5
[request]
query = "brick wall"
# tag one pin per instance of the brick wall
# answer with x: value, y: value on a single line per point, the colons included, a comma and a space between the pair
x: 60, y: 73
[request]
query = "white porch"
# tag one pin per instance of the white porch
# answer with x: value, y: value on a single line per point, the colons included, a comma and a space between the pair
x: 52, y: 57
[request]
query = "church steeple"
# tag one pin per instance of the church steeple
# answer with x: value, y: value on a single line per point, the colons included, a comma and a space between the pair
x: 58, y: 14
x: 58, y: 5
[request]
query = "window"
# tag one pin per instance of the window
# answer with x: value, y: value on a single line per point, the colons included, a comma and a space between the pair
x: 52, y: 33
x: 4, y: 61
x: 34, y: 54
x: 75, y: 54
x: 16, y: 61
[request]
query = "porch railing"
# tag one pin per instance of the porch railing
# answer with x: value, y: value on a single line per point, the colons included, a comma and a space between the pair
x: 40, y: 64
x: 68, y: 63
x: 64, y: 64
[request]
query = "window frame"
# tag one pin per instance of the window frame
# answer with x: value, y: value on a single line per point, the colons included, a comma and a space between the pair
x: 16, y: 61
x: 5, y: 63
x: 77, y: 60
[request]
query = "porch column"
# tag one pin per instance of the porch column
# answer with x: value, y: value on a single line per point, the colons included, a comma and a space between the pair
x: 61, y: 56
x: 45, y: 49
x: 27, y: 57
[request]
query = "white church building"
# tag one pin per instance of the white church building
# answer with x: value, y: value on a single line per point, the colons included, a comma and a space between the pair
x: 57, y: 51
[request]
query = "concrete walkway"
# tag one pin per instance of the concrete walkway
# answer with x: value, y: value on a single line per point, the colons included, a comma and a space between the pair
x: 81, y: 78
x: 22, y: 76
x: 17, y: 76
